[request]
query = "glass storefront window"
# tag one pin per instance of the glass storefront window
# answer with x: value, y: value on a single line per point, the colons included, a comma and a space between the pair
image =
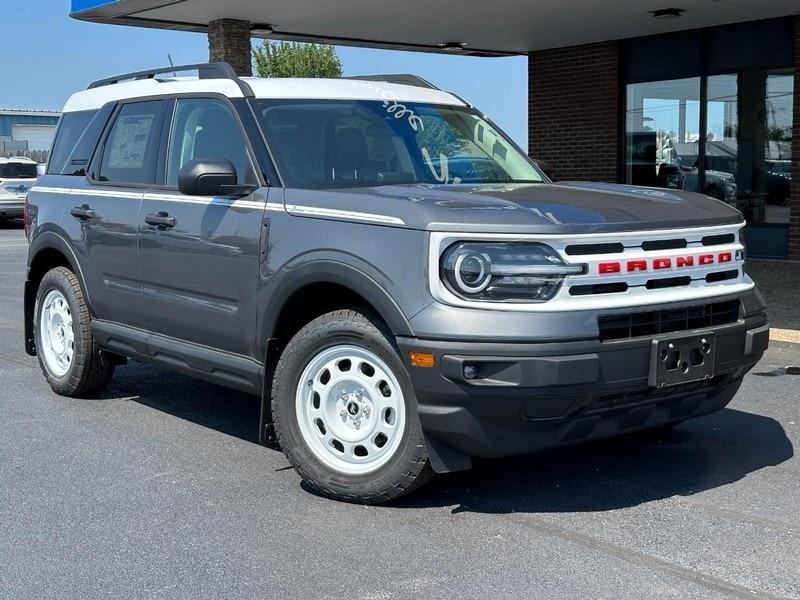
x: 749, y: 140
x: 746, y: 134
x: 662, y: 126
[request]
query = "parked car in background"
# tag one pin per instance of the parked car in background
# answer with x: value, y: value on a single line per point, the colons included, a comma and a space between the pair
x: 779, y: 181
x: 718, y: 184
x: 17, y: 176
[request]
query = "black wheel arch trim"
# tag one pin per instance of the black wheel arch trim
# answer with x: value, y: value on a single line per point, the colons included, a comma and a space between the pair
x: 323, y: 271
x: 316, y: 272
x: 47, y: 240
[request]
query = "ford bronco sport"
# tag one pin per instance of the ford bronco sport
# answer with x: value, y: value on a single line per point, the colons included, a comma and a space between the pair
x: 397, y: 281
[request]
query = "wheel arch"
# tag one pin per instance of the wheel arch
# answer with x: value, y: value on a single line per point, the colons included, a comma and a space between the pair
x: 47, y: 251
x: 328, y: 273
x: 307, y: 292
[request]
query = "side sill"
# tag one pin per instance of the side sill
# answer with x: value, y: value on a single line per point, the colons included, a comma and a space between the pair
x: 223, y: 368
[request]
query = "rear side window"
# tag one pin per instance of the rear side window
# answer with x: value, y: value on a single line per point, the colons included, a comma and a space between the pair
x: 131, y: 148
x: 18, y: 170
x: 70, y: 129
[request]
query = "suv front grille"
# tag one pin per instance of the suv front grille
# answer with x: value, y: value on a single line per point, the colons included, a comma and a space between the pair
x: 653, y: 267
x: 642, y: 324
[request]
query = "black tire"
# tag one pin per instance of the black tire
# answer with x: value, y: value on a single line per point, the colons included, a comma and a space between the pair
x: 406, y: 470
x: 88, y: 372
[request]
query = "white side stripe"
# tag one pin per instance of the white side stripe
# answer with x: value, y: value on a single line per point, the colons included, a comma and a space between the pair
x: 344, y: 214
x: 311, y: 211
x: 152, y: 196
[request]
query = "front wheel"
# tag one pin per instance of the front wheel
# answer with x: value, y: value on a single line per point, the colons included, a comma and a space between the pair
x: 345, y: 412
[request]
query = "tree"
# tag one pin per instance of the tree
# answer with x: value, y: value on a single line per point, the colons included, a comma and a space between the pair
x: 293, y: 59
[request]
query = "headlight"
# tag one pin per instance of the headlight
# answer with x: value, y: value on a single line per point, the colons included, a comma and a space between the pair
x: 504, y: 272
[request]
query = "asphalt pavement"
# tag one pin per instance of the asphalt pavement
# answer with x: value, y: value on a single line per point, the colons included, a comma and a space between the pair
x: 159, y: 490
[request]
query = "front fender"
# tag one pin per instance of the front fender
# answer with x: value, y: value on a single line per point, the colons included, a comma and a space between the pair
x: 334, y: 272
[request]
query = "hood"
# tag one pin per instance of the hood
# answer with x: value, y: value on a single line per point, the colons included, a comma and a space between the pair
x: 572, y: 207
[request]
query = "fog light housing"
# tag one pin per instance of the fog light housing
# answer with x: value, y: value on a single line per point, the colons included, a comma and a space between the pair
x: 470, y: 371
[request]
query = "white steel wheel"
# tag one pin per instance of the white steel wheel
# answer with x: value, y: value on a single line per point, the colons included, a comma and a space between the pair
x: 57, y: 334
x: 350, y: 409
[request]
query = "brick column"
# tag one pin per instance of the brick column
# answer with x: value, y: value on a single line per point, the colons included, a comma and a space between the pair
x: 229, y: 41
x: 574, y: 111
x: 794, y: 204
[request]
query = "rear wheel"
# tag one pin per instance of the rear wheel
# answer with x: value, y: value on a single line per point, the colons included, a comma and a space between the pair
x: 68, y: 355
x: 345, y: 412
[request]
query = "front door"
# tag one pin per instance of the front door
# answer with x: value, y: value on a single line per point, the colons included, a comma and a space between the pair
x: 199, y: 256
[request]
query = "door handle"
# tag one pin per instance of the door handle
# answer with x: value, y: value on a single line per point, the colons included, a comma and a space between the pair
x: 162, y: 220
x: 82, y: 212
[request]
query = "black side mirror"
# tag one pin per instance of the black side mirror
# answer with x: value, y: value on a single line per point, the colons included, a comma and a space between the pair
x: 544, y: 167
x: 210, y: 177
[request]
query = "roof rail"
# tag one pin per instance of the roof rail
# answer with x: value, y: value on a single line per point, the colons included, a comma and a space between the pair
x: 218, y: 70
x: 401, y: 78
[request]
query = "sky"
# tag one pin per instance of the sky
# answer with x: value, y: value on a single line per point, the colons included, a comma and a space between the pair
x: 53, y: 56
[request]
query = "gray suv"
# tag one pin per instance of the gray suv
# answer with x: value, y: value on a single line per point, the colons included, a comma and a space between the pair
x: 400, y: 285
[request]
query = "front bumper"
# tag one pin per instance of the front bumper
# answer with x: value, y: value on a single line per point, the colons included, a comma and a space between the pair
x: 533, y: 396
x: 12, y: 209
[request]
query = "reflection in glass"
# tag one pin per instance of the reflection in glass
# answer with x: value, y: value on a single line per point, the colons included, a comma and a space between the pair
x: 749, y: 139
x: 662, y: 127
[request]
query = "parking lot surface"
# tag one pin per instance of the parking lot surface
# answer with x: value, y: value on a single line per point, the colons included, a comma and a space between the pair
x: 159, y: 490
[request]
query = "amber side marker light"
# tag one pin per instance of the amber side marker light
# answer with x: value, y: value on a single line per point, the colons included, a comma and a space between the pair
x: 422, y: 359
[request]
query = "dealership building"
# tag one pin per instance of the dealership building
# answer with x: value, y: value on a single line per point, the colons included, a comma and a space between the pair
x: 699, y: 95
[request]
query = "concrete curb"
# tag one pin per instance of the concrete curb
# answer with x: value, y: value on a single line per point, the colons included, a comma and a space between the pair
x: 785, y: 335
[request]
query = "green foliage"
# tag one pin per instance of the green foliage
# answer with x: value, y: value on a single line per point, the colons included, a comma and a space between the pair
x: 292, y: 59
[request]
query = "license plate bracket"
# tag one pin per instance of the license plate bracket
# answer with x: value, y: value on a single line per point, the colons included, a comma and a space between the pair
x: 682, y: 359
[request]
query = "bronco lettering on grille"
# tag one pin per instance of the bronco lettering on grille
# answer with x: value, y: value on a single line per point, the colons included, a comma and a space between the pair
x: 659, y: 264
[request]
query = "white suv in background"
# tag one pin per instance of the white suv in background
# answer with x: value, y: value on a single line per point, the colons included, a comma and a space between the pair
x: 17, y: 176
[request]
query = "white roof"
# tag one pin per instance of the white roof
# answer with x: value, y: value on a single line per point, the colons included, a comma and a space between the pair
x: 16, y: 159
x: 347, y: 89
x: 313, y: 89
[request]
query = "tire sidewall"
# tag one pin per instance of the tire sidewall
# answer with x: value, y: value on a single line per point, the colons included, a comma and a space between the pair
x: 57, y: 280
x: 312, y: 340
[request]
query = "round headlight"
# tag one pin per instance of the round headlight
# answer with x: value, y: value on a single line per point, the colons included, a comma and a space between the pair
x: 504, y: 271
x: 472, y: 272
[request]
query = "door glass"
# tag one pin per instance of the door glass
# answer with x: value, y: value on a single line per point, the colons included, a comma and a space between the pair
x: 206, y: 128
x: 662, y: 127
x: 132, y: 145
x: 70, y: 129
x: 749, y: 143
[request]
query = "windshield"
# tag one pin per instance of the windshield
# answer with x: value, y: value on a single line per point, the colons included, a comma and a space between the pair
x: 18, y: 170
x: 345, y: 143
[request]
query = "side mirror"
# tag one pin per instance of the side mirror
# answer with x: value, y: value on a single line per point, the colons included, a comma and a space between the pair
x: 544, y: 167
x: 210, y: 177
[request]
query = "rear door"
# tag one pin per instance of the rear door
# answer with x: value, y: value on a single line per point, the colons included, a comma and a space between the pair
x: 103, y: 213
x: 200, y: 269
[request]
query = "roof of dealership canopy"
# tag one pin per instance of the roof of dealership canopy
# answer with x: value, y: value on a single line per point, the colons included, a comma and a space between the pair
x: 466, y: 26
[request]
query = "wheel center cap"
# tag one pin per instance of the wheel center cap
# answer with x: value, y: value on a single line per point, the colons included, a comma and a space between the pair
x: 353, y: 408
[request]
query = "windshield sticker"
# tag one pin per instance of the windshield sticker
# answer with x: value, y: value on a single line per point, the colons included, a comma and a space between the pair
x: 401, y: 111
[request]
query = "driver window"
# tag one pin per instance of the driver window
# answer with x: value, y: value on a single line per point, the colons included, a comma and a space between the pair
x: 206, y: 128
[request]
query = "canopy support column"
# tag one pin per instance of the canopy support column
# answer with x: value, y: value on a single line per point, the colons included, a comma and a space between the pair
x: 229, y: 41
